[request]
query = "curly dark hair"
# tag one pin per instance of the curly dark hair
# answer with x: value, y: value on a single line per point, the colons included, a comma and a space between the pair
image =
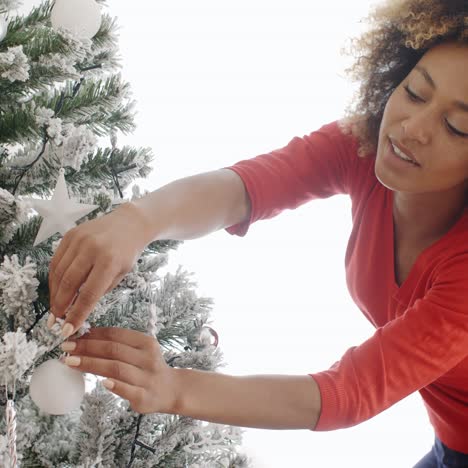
x: 400, y: 33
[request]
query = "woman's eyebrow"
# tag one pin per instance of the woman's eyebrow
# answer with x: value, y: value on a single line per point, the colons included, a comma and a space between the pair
x: 460, y: 104
x: 426, y: 75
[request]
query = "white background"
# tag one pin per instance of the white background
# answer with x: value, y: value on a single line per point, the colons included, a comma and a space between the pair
x: 217, y: 81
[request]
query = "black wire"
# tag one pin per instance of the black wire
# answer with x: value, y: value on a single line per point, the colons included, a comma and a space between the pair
x: 39, y: 315
x: 45, y: 138
x: 115, y: 177
x: 135, y: 440
x: 132, y: 452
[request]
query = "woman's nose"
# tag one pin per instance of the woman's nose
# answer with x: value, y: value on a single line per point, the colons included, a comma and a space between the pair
x: 417, y: 128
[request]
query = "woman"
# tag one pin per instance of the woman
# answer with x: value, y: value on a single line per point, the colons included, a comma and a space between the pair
x: 402, y: 156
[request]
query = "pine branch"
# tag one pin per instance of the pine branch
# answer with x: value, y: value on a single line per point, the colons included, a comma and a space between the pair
x: 17, y: 123
x: 22, y: 245
x: 163, y: 246
x: 42, y: 41
x: 99, y: 104
x: 39, y: 314
x: 39, y: 14
x: 104, y: 50
x: 36, y: 42
x: 107, y: 164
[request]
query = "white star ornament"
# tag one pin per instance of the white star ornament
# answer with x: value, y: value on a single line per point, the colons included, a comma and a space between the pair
x: 60, y: 213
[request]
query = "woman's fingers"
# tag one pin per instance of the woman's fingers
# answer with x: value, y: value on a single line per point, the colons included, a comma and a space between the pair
x: 109, y: 368
x: 90, y: 293
x: 56, y: 259
x: 92, y: 259
x: 111, y: 350
x: 134, y: 394
x: 67, y: 277
x: 133, y: 361
x: 125, y: 336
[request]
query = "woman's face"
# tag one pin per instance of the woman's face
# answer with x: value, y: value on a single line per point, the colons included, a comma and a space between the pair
x: 427, y: 118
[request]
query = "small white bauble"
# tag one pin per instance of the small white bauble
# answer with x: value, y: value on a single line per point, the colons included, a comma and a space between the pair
x: 81, y: 17
x: 57, y: 389
x: 206, y: 337
x: 3, y: 28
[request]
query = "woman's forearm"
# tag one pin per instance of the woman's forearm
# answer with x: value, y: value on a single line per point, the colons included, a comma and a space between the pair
x: 259, y: 401
x: 194, y: 206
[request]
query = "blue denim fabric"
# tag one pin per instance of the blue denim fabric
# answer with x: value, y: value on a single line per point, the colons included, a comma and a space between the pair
x: 441, y: 456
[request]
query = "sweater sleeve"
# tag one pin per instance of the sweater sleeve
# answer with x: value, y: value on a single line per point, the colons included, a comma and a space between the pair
x: 316, y: 166
x: 410, y: 352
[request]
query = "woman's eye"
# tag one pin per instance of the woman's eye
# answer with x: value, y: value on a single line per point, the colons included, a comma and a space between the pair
x: 455, y: 131
x: 415, y: 98
x: 412, y: 96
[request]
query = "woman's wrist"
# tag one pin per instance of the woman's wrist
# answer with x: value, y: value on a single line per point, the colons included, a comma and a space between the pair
x: 178, y: 384
x: 138, y: 212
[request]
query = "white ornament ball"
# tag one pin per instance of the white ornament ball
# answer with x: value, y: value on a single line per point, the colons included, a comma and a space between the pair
x: 81, y: 17
x: 3, y: 28
x: 57, y: 389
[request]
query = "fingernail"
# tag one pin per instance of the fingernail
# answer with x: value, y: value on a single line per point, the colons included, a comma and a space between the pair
x: 67, y: 330
x: 72, y: 361
x: 68, y: 346
x: 50, y: 321
x: 109, y: 384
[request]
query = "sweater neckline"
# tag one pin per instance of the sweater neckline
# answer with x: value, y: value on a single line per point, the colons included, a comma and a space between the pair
x: 399, y: 290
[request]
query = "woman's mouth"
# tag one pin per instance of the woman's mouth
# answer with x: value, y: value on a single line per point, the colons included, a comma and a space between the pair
x: 400, y: 155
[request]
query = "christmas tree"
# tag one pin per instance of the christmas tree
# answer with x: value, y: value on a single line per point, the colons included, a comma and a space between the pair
x: 63, y: 105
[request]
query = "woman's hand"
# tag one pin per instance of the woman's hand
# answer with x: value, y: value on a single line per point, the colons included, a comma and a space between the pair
x: 91, y: 260
x: 133, y: 362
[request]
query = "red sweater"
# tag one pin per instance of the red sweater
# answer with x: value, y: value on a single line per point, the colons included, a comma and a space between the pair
x: 421, y: 338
